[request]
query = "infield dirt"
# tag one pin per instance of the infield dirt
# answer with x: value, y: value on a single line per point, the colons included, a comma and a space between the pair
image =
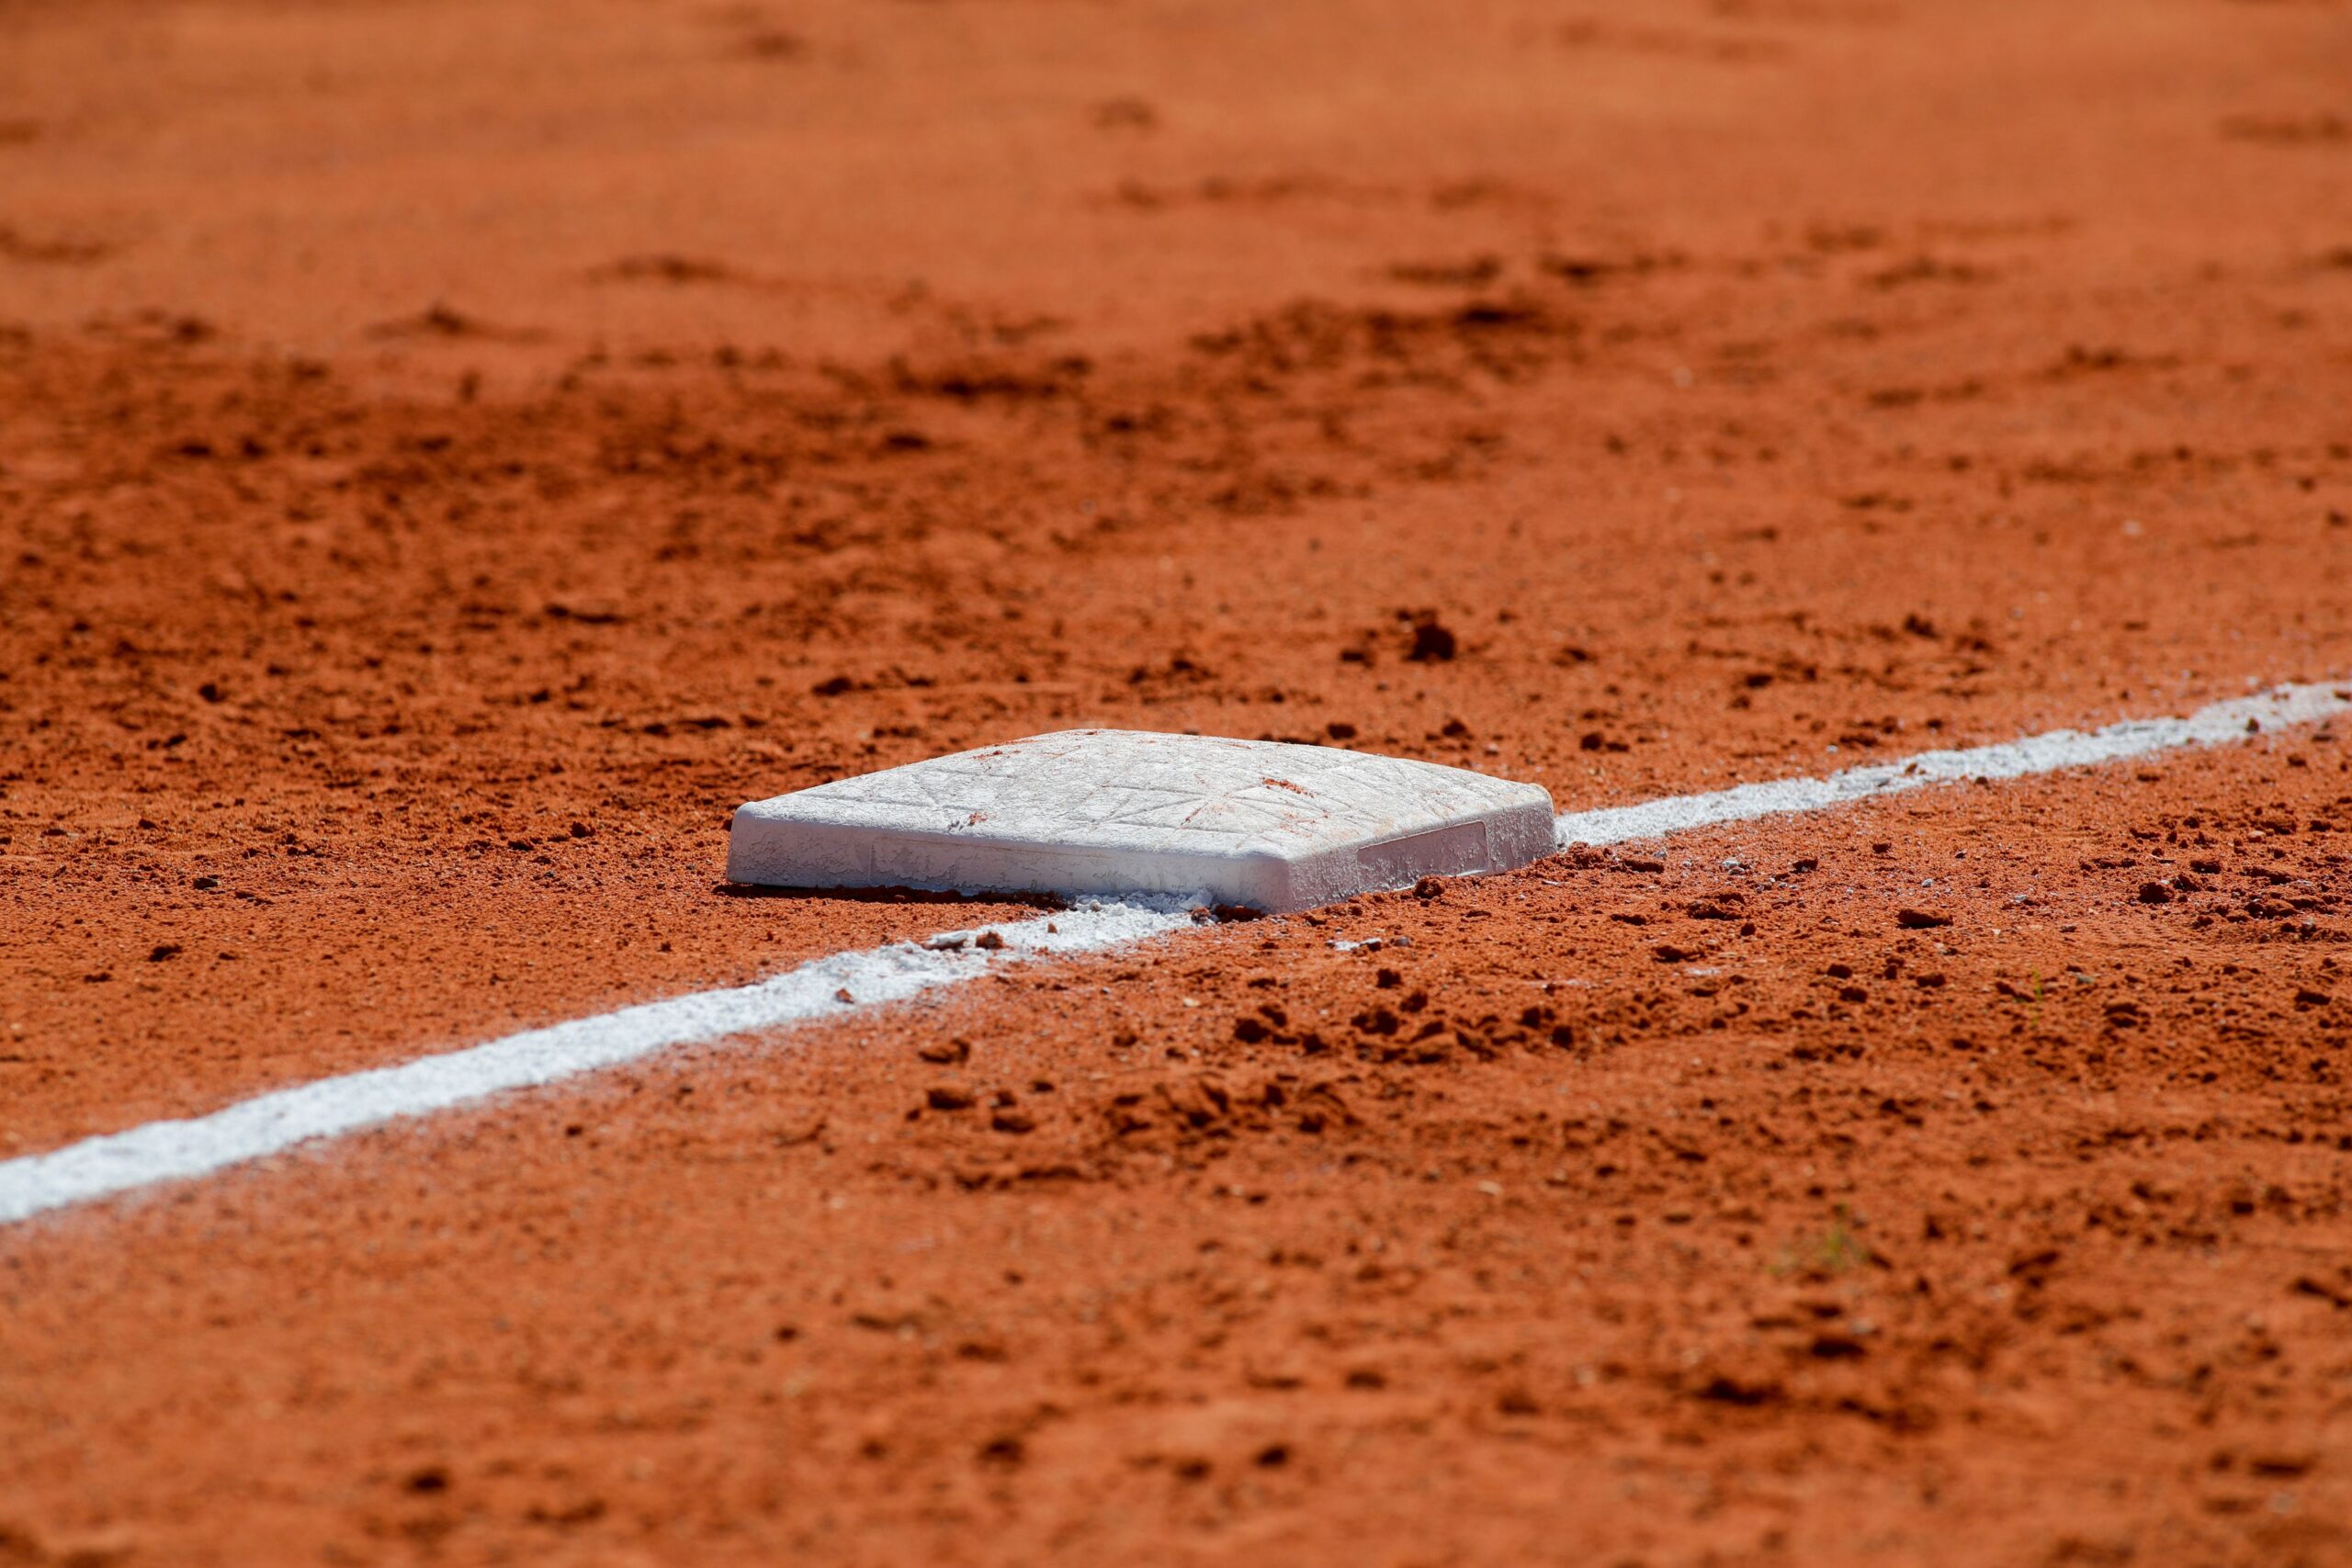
x: 450, y: 455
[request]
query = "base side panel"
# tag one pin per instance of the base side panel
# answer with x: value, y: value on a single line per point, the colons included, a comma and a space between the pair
x: 776, y: 854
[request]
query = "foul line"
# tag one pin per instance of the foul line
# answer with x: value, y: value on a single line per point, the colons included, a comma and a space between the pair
x: 2280, y: 707
x: 851, y: 983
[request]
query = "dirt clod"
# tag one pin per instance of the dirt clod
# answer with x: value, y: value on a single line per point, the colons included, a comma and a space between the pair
x: 1432, y: 642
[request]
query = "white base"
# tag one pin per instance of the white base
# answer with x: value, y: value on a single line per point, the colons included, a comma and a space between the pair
x: 1261, y: 823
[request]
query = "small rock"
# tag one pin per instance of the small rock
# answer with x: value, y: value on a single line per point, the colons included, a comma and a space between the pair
x: 1433, y: 641
x: 1920, y: 919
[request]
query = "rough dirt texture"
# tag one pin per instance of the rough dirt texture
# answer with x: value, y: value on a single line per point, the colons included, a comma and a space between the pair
x: 451, y: 454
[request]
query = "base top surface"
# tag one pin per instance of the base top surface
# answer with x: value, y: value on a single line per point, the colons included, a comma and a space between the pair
x: 1103, y: 810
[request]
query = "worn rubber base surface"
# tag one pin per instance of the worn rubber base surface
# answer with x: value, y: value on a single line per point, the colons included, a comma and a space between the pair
x: 1265, y: 824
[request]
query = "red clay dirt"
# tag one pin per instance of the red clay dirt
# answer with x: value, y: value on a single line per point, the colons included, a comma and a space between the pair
x: 450, y: 455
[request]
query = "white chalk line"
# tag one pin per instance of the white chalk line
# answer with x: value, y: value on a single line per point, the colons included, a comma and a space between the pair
x: 270, y: 1124
x: 2281, y: 707
x: 251, y: 1129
